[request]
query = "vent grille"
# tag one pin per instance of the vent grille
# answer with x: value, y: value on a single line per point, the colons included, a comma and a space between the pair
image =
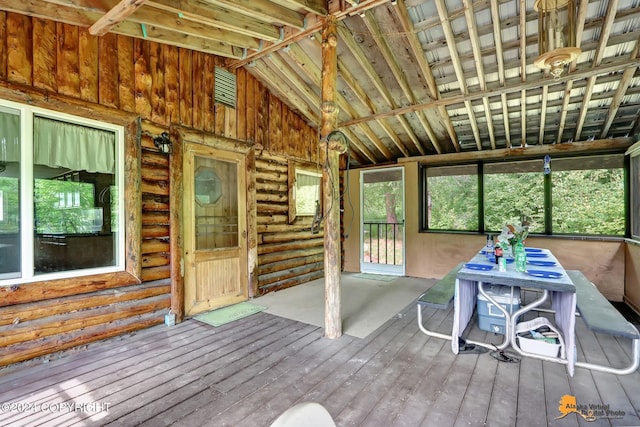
x: 225, y: 87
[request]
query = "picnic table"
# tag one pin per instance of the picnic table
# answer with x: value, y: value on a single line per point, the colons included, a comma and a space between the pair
x: 555, y: 285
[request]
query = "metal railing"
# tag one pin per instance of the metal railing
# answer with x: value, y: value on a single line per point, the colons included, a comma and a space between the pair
x: 383, y: 242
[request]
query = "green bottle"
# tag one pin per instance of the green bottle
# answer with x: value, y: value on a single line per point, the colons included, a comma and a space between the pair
x: 520, y: 256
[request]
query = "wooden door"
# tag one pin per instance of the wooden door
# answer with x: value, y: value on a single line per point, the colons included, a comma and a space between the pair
x: 215, y: 228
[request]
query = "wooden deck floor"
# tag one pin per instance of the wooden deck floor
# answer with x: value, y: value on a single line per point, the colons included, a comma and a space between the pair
x: 248, y: 372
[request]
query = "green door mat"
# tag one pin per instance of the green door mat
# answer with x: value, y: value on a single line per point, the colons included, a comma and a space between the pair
x: 225, y: 315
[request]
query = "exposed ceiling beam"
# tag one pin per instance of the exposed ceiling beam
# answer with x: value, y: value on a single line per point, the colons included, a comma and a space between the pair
x: 603, y: 145
x: 402, y: 14
x: 623, y: 86
x: 116, y: 14
x: 264, y: 10
x: 299, y: 56
x: 581, y: 19
x: 580, y: 73
x: 612, y: 5
x: 373, y: 76
x: 457, y: 66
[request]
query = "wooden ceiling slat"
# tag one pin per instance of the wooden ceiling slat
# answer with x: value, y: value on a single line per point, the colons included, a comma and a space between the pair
x: 261, y: 70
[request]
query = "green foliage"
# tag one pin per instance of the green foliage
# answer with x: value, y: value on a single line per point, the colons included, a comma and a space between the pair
x: 375, y: 207
x: 509, y: 196
x: 11, y: 214
x: 453, y: 202
x: 584, y: 201
x: 61, y: 206
x: 589, y: 202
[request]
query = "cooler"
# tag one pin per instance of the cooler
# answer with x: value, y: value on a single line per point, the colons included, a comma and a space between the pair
x: 490, y: 318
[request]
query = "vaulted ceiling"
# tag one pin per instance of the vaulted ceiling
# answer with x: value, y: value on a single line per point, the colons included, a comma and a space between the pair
x: 415, y: 77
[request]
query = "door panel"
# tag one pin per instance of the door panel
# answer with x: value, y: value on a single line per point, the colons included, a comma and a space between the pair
x: 382, y: 221
x: 215, y: 228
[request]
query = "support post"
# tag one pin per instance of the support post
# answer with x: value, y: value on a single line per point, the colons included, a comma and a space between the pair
x: 330, y: 156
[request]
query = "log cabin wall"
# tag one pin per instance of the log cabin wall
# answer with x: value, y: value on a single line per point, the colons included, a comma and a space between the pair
x: 162, y: 85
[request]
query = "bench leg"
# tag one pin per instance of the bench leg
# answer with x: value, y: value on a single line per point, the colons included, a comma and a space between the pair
x: 635, y: 362
x: 428, y: 332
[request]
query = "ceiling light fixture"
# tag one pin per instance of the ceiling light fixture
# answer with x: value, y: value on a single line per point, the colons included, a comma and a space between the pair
x: 557, y: 35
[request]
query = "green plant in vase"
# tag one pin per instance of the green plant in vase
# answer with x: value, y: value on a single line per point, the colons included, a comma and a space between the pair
x: 512, y: 239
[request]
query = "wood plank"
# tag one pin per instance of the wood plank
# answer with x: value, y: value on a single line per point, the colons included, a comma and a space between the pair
x: 108, y: 70
x: 198, y: 89
x: 3, y: 45
x: 201, y: 363
x: 186, y: 90
x: 44, y: 54
x: 143, y: 79
x: 192, y: 373
x: 126, y: 74
x: 88, y: 65
x: 241, y: 104
x: 251, y: 111
x: 157, y: 90
x: 208, y: 107
x: 19, y: 49
x: 172, y: 85
x: 68, y: 70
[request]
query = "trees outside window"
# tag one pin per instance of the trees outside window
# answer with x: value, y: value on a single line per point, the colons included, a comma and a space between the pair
x: 582, y: 196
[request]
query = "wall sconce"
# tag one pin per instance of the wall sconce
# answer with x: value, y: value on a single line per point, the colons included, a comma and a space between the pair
x: 556, y: 35
x: 163, y: 143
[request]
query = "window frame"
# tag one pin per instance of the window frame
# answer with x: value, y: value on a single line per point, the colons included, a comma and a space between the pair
x: 423, y: 193
x: 128, y: 269
x: 308, y: 168
x: 633, y: 190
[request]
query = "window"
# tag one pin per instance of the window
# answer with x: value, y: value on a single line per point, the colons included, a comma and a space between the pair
x: 634, y: 190
x: 451, y: 198
x: 588, y: 195
x: 61, y: 207
x: 304, y: 189
x: 584, y: 196
x: 512, y: 190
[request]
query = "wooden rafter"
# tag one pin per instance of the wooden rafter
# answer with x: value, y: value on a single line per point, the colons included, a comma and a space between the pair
x: 402, y: 14
x: 457, y: 65
x: 582, y: 16
x: 475, y: 47
x: 383, y: 91
x: 399, y: 75
x: 509, y: 88
x: 612, y: 5
x: 523, y: 71
x: 314, y: 74
x: 623, y: 85
x: 497, y: 41
x: 114, y: 16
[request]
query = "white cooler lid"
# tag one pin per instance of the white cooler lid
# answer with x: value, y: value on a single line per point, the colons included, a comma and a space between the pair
x: 501, y: 294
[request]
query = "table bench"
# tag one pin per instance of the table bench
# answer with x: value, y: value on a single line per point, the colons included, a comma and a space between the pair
x: 601, y: 316
x: 439, y: 296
